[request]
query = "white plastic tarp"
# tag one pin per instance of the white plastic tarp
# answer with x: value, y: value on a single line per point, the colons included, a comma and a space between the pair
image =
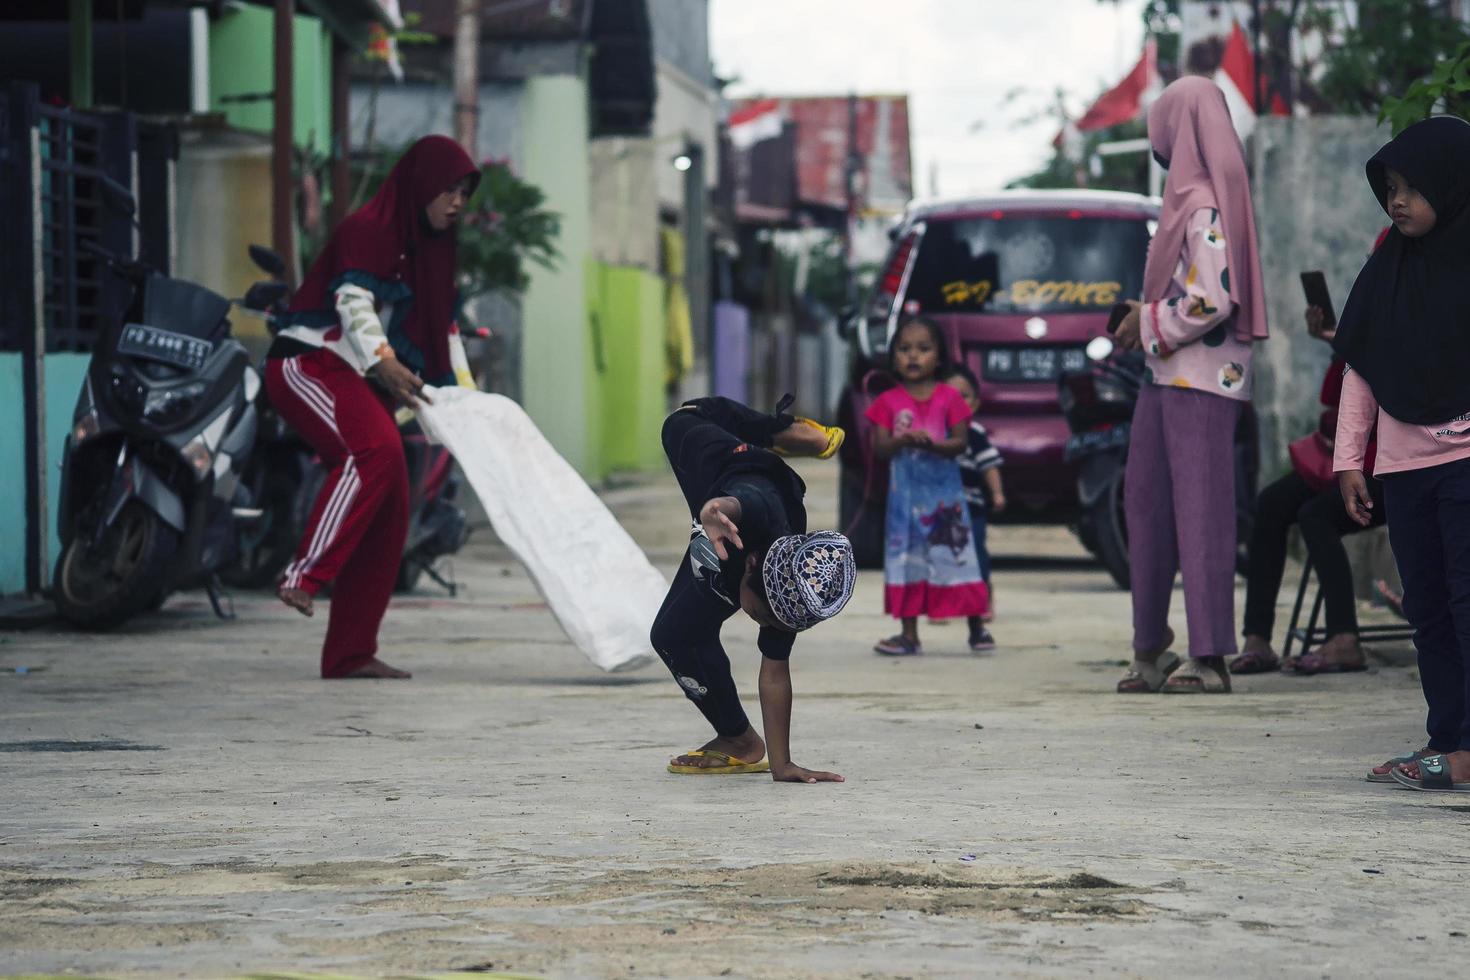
x: 599, y: 584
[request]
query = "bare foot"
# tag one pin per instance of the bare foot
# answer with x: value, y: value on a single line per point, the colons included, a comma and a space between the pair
x: 297, y: 599
x: 375, y: 668
x: 747, y: 748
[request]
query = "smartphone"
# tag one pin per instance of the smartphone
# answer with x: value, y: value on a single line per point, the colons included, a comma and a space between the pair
x: 1314, y: 285
x: 1115, y: 318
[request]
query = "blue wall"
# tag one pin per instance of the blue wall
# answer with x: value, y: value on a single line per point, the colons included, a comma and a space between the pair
x: 65, y: 374
x: 12, y: 476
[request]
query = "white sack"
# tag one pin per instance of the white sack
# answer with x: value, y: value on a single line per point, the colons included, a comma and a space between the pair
x: 600, y: 586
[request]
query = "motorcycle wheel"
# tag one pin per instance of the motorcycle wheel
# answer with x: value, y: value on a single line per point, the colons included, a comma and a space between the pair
x: 99, y: 587
x: 1109, y: 527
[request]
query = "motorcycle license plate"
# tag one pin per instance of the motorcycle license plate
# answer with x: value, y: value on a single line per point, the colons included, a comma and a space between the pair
x: 1032, y: 363
x: 1095, y: 441
x: 157, y: 344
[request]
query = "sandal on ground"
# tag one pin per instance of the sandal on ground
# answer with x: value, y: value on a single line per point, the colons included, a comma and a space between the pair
x: 981, y: 641
x: 898, y: 646
x: 1146, y: 678
x: 1197, y: 678
x: 1340, y: 654
x: 1314, y: 663
x: 1394, y: 763
x: 727, y: 765
x: 1434, y: 777
x: 1256, y: 661
x: 835, y: 435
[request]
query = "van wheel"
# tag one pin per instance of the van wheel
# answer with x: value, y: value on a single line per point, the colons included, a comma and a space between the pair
x: 101, y: 586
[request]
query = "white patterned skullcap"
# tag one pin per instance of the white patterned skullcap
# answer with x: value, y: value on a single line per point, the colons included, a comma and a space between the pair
x: 808, y: 577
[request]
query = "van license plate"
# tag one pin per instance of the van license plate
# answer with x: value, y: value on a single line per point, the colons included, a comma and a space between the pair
x: 1032, y: 363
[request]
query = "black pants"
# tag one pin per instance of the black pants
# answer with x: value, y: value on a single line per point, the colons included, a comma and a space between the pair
x: 686, y: 632
x: 1323, y: 521
x: 1429, y: 527
x: 700, y: 438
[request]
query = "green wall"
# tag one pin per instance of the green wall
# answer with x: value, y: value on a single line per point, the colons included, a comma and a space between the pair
x: 559, y: 376
x: 241, y: 63
x: 12, y: 476
x: 629, y: 307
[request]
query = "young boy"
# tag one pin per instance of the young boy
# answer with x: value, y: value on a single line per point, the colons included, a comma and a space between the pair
x: 980, y: 465
x: 749, y: 551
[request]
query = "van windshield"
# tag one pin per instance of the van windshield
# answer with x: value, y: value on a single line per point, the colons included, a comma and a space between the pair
x: 1020, y: 264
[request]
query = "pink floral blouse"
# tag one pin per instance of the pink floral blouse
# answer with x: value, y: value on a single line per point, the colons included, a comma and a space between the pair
x: 1188, y: 335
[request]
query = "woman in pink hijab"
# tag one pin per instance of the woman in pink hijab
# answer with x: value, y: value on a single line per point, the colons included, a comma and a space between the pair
x: 1202, y: 311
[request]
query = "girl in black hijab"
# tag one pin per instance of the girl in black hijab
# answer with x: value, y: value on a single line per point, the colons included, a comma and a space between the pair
x: 1405, y: 334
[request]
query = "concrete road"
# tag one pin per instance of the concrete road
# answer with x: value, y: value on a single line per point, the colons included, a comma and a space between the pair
x: 185, y: 797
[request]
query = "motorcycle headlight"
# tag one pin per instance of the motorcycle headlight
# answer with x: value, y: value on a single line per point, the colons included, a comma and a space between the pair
x: 163, y: 406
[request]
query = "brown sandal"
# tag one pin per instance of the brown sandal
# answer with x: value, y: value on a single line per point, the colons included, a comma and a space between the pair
x: 1144, y: 677
x: 1196, y: 677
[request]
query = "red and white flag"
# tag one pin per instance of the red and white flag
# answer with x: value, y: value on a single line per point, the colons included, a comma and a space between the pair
x: 1236, y: 77
x: 1127, y: 99
x: 754, y: 122
x: 1123, y: 102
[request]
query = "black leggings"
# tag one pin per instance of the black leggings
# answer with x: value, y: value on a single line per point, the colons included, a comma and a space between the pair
x: 700, y: 442
x: 1323, y: 521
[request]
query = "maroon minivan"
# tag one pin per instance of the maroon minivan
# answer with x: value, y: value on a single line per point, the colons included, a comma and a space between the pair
x: 1019, y: 281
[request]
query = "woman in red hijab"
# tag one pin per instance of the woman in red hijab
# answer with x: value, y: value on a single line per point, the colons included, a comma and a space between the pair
x: 372, y: 322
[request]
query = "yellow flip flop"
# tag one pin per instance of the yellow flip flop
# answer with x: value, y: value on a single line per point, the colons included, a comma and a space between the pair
x: 731, y: 766
x: 835, y: 435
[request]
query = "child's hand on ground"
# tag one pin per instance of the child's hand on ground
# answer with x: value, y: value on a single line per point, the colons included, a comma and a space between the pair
x: 1355, y: 497
x: 792, y: 773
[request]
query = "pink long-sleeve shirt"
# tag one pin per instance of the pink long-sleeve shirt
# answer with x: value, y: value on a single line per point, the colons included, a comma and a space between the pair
x: 1188, y: 334
x: 1401, y: 446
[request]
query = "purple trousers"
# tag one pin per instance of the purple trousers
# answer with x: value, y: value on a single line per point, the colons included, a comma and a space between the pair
x: 1179, y: 495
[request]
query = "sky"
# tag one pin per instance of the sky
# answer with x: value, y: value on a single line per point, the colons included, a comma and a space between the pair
x: 959, y: 61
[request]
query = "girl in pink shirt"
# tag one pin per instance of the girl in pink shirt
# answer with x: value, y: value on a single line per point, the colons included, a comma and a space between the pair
x: 929, y: 562
x: 1405, y: 334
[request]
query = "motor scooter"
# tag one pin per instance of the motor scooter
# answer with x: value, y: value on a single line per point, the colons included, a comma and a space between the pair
x: 151, y: 497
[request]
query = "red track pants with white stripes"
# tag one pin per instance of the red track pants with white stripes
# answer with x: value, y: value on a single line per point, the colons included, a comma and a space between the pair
x: 360, y: 519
